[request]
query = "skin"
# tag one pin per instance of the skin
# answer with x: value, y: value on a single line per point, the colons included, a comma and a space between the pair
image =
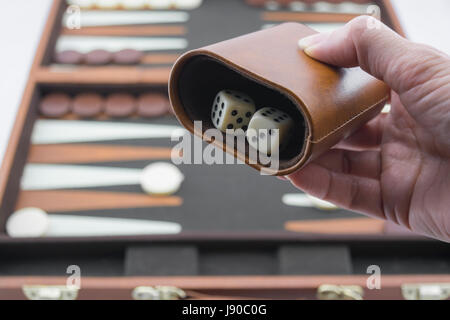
x: 396, y: 167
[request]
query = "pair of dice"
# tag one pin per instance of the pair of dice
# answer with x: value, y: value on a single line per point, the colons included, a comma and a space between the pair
x: 267, y: 129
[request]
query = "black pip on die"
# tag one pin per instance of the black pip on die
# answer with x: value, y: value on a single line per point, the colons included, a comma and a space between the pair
x: 268, y: 130
x: 232, y: 110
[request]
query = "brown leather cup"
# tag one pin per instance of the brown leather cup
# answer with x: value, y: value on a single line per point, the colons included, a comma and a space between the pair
x: 327, y: 103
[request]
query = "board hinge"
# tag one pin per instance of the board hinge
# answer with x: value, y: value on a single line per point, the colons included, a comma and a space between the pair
x: 426, y: 291
x: 40, y: 292
x: 340, y: 292
x: 158, y: 293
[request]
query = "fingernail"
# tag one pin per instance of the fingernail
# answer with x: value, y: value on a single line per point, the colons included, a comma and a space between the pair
x: 283, y: 178
x: 309, y: 41
x: 310, y: 51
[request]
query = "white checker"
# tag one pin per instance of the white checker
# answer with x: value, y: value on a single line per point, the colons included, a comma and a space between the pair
x: 187, y: 4
x: 83, y: 4
x: 27, y: 222
x: 322, y: 6
x: 159, y: 4
x: 352, y: 8
x: 133, y: 4
x: 107, y: 4
x: 298, y: 6
x: 161, y: 178
x: 272, y: 5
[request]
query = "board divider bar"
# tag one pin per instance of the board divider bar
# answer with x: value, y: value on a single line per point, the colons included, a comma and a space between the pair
x: 75, y: 200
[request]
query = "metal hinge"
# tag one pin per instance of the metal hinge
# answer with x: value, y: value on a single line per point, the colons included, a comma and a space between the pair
x: 37, y: 292
x: 158, y: 293
x: 338, y: 292
x: 426, y: 291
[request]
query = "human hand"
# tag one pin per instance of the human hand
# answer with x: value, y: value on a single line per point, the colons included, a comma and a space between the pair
x: 396, y: 167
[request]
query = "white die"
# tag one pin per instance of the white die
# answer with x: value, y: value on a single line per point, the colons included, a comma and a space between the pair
x: 232, y: 110
x: 268, y: 130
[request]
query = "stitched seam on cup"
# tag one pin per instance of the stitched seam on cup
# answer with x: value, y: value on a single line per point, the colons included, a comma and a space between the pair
x: 347, y: 121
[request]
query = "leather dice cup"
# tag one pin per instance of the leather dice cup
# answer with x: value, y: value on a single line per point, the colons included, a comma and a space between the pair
x: 326, y: 103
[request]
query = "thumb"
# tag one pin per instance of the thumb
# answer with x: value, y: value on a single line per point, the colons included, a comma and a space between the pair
x: 368, y: 43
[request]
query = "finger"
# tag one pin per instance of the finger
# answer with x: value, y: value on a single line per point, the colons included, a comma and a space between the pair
x: 368, y: 43
x: 367, y: 137
x: 345, y: 190
x: 359, y: 163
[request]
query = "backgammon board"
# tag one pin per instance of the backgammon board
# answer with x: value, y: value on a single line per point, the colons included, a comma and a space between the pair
x: 232, y: 221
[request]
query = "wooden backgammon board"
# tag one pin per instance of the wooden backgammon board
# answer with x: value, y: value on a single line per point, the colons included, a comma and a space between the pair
x: 95, y: 113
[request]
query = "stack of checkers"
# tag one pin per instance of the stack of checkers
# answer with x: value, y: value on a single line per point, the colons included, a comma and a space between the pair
x: 115, y: 105
x: 99, y: 57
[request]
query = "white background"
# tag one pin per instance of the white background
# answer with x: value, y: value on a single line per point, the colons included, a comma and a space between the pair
x: 22, y: 21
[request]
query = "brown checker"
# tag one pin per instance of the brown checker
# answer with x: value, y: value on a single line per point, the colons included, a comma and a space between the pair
x: 153, y: 105
x: 98, y: 57
x: 127, y: 56
x: 55, y: 105
x: 69, y: 57
x: 88, y: 105
x: 120, y: 105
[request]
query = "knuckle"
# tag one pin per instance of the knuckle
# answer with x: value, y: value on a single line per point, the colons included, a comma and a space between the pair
x: 359, y: 24
x: 365, y: 39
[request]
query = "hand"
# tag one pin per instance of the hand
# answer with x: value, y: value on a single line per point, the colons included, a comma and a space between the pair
x: 396, y: 167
